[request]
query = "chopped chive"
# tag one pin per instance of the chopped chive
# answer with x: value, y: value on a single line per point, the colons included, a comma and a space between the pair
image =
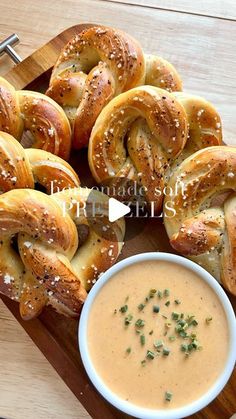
x: 164, y: 317
x: 165, y: 333
x: 177, y: 302
x: 152, y: 292
x: 124, y: 308
x: 138, y: 331
x: 128, y: 319
x: 142, y: 340
x: 143, y: 362
x: 156, y: 309
x: 147, y: 299
x: 174, y: 315
x: 159, y: 294
x: 194, y: 322
x: 208, y: 320
x: 166, y: 351
x: 167, y: 303
x: 168, y: 396
x: 158, y: 344
x: 141, y: 306
x: 184, y: 347
x: 166, y: 292
x: 140, y: 323
x: 150, y: 355
x: 172, y: 338
x: 190, y: 347
x: 183, y: 334
x: 128, y: 350
x: 195, y: 344
x: 151, y: 332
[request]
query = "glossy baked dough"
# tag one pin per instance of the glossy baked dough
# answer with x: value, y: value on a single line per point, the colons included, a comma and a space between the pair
x: 204, y: 225
x: 34, y: 118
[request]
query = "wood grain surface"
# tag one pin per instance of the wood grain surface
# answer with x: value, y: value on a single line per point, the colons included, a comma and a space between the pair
x: 28, y: 383
x: 200, y: 40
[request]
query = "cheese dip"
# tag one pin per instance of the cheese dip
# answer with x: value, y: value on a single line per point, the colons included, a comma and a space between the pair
x: 158, y: 335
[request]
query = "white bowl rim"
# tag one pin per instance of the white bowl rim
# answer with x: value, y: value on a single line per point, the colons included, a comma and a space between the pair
x: 125, y: 406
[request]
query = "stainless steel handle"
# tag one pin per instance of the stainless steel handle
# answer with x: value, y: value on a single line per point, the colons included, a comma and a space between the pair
x: 6, y: 47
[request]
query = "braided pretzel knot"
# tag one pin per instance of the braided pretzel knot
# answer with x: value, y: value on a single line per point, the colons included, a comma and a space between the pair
x: 140, y: 134
x: 53, y: 267
x: 96, y: 65
x: 201, y: 229
x: 22, y: 168
x: 36, y: 114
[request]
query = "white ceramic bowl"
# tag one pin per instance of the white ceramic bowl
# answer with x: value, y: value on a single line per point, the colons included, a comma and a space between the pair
x: 132, y: 409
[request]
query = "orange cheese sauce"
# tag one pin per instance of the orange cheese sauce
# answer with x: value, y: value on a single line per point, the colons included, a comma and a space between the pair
x: 116, y: 350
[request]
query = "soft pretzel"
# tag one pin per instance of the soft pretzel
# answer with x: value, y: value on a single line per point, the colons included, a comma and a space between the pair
x: 161, y: 73
x: 142, y: 133
x: 96, y: 65
x: 22, y: 168
x: 55, y: 264
x: 201, y: 228
x: 38, y: 116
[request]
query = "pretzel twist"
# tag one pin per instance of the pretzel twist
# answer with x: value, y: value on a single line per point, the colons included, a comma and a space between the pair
x: 61, y: 254
x: 144, y: 133
x: 36, y: 114
x: 56, y: 264
x: 203, y: 228
x: 22, y: 168
x: 97, y: 65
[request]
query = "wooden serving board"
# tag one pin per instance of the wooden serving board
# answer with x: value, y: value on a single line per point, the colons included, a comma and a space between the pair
x: 55, y: 335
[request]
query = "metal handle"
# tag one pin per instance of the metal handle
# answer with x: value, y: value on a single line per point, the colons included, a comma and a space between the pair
x: 6, y: 47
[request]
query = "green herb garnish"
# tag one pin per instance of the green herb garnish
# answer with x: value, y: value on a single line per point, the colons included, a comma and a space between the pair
x: 141, y: 306
x: 167, y: 303
x: 142, y: 340
x: 159, y: 294
x: 152, y: 292
x: 124, y: 308
x: 168, y: 396
x: 166, y: 351
x: 128, y: 319
x: 158, y: 344
x: 172, y: 338
x: 175, y: 316
x: 156, y: 309
x: 208, y: 320
x: 140, y: 323
x: 150, y: 355
x: 128, y: 350
x: 166, y: 292
x: 177, y: 302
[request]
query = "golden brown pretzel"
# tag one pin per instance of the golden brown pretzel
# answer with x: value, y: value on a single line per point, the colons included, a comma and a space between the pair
x: 201, y: 229
x: 96, y: 65
x: 36, y: 114
x: 141, y: 135
x: 22, y: 168
x: 55, y: 264
x: 161, y: 73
